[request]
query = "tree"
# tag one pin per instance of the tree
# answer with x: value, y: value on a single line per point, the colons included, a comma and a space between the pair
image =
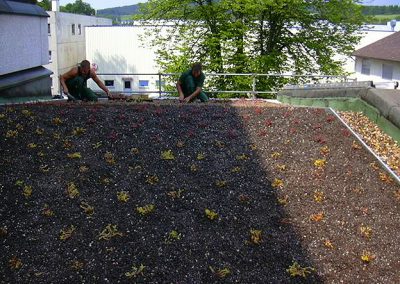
x: 45, y: 4
x: 78, y: 7
x: 255, y: 36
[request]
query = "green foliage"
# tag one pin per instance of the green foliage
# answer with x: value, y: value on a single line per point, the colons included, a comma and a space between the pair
x: 78, y: 7
x: 383, y: 19
x: 381, y: 10
x: 296, y: 270
x: 45, y: 4
x: 109, y: 232
x: 145, y: 210
x: 246, y: 36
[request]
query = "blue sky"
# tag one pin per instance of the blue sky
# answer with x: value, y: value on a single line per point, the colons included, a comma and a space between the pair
x: 102, y: 4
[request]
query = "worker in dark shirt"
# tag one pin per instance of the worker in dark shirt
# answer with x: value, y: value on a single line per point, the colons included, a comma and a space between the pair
x: 190, y: 85
x: 74, y: 82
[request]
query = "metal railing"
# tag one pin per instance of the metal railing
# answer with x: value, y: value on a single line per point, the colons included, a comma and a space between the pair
x: 254, y: 76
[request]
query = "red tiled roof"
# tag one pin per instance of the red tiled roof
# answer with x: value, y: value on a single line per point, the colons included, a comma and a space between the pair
x: 387, y: 48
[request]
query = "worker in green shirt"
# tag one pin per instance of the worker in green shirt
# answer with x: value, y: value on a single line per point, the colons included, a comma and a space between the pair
x: 190, y: 85
x: 74, y: 83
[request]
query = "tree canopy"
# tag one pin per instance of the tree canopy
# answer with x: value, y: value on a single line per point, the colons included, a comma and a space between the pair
x: 255, y: 36
x: 45, y: 4
x: 78, y: 7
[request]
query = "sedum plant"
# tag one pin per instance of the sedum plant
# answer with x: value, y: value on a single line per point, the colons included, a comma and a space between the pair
x: 296, y: 270
x: 145, y: 210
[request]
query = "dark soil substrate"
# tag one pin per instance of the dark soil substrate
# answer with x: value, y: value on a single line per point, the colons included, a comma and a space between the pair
x: 295, y: 174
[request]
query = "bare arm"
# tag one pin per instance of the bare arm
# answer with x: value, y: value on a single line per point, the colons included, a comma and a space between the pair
x: 180, y: 92
x: 193, y: 95
x: 99, y: 82
x: 68, y: 75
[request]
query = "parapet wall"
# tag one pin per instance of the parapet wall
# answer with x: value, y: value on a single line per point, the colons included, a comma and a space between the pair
x: 385, y: 101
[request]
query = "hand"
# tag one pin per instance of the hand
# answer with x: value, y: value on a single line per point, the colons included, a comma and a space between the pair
x: 187, y: 99
x: 181, y: 98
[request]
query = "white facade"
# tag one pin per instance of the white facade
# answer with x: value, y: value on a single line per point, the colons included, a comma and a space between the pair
x: 66, y: 37
x: 23, y: 42
x: 383, y: 73
x: 123, y: 52
x: 119, y: 50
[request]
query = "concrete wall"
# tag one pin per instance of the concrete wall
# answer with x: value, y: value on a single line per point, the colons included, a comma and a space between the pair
x: 122, y: 52
x: 68, y: 49
x: 23, y: 42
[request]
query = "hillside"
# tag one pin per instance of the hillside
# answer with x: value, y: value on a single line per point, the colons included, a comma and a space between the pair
x: 119, y: 11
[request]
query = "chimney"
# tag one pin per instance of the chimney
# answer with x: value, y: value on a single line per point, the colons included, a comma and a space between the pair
x: 55, y: 5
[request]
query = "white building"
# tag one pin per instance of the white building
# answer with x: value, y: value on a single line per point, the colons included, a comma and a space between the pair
x: 23, y: 51
x: 379, y: 62
x: 122, y: 53
x: 66, y: 37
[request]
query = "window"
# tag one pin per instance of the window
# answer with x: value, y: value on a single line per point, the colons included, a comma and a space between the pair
x: 387, y: 71
x: 49, y: 55
x: 158, y: 83
x: 109, y: 83
x: 48, y: 29
x: 366, y: 67
x: 143, y: 83
x: 127, y: 84
x: 73, y: 29
x: 79, y: 29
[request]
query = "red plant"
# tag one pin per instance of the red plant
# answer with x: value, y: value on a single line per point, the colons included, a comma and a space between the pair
x: 156, y: 138
x: 190, y: 133
x: 232, y: 134
x: 158, y: 111
x: 319, y: 111
x: 135, y: 125
x: 346, y: 132
x: 202, y: 125
x: 91, y: 119
x: 319, y: 139
x: 113, y: 135
x: 246, y: 117
x: 287, y: 114
x: 268, y: 122
x: 330, y: 118
x: 317, y: 127
x: 121, y: 117
x: 262, y: 133
x: 258, y: 110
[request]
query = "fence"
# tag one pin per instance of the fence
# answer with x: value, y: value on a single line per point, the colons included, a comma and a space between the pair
x: 253, y: 92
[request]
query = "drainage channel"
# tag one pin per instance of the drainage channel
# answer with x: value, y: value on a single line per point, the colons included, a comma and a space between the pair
x: 388, y: 169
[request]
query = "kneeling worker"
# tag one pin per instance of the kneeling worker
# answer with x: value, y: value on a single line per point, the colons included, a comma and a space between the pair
x: 74, y: 82
x: 190, y: 85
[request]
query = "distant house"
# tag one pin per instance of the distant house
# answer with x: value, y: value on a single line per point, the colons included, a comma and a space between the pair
x: 23, y: 51
x: 379, y: 61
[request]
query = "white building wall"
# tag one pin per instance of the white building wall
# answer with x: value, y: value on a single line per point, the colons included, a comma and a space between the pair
x: 123, y: 52
x: 68, y: 49
x: 376, y: 68
x: 24, y: 37
x: 118, y: 49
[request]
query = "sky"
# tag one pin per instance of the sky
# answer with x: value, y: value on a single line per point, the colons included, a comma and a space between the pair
x: 102, y: 4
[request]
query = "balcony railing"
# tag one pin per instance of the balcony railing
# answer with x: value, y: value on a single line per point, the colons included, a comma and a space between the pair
x: 253, y: 92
